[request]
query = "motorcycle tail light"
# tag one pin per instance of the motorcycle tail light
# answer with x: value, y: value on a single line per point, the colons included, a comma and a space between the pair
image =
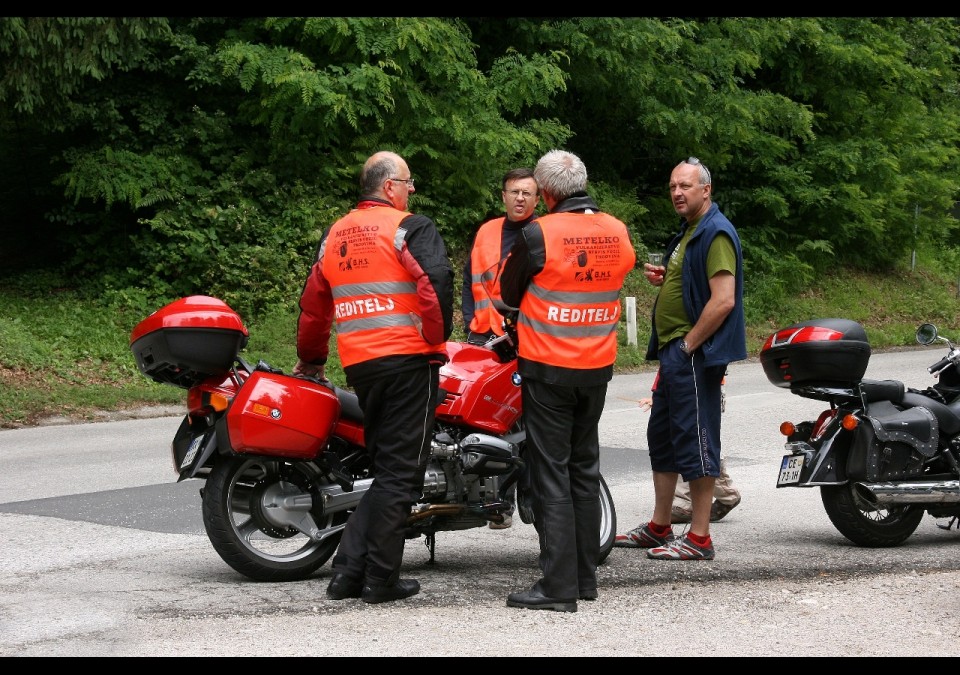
x: 822, y: 422
x: 795, y: 335
x: 788, y: 428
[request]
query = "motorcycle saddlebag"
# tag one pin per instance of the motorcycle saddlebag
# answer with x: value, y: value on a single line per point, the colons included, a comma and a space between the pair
x: 188, y: 341
x: 891, y: 444
x: 281, y: 416
x: 828, y: 351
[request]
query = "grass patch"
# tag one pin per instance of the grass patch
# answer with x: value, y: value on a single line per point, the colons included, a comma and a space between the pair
x: 65, y: 352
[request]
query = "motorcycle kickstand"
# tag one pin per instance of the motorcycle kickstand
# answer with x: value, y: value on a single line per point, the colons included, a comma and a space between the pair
x: 955, y: 520
x: 431, y: 543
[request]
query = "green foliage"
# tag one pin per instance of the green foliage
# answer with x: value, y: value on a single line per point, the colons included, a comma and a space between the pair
x: 885, y: 127
x: 152, y: 158
x: 49, y: 60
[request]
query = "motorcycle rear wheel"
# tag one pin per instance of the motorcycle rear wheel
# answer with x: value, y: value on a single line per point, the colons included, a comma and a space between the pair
x: 867, y: 525
x: 238, y: 494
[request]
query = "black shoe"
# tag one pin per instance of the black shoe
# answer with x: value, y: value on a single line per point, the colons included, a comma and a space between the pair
x: 342, y: 587
x: 404, y: 588
x: 589, y: 595
x: 535, y: 599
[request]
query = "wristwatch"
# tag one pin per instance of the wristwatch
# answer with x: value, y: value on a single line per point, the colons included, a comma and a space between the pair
x: 683, y: 347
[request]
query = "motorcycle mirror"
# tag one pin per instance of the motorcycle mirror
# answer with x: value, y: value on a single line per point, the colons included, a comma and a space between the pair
x: 926, y: 333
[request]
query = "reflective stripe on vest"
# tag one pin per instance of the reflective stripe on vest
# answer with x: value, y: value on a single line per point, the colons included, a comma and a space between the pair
x: 370, y: 305
x: 599, y: 312
x: 485, y: 254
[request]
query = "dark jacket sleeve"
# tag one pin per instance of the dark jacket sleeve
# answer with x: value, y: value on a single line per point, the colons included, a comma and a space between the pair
x: 424, y: 255
x: 525, y: 260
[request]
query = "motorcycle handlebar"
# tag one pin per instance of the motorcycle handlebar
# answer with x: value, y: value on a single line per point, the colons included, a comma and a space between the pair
x: 939, y: 365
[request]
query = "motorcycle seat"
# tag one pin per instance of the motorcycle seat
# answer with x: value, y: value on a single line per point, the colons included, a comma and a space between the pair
x: 946, y: 417
x: 882, y: 390
x: 349, y: 405
x: 894, y: 391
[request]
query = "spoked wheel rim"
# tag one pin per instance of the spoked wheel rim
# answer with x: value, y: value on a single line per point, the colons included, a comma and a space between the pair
x: 877, y: 514
x: 867, y: 524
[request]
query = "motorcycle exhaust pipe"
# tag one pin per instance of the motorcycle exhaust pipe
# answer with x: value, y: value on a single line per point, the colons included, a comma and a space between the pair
x: 491, y: 511
x: 436, y: 510
x: 910, y: 492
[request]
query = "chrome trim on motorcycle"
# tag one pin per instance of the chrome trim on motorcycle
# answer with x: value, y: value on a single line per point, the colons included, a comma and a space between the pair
x: 910, y: 492
x: 798, y: 447
x: 335, y: 499
x: 819, y: 469
x: 488, y: 511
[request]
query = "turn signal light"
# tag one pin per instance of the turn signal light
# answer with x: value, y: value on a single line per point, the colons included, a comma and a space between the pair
x: 850, y: 422
x: 202, y: 402
x: 219, y: 402
x: 787, y: 428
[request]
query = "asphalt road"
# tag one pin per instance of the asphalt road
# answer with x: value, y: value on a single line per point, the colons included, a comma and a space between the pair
x: 104, y: 554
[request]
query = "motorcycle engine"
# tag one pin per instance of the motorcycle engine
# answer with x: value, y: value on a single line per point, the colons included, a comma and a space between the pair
x: 486, y: 455
x: 471, y: 464
x: 434, y: 480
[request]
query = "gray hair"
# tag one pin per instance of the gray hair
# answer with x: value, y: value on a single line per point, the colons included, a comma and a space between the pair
x: 704, y: 172
x: 705, y: 175
x: 379, y: 167
x: 560, y: 174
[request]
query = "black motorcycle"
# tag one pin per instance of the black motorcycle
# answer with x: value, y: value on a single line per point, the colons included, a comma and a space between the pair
x: 883, y: 454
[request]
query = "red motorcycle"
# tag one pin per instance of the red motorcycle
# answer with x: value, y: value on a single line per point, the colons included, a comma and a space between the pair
x: 283, y: 457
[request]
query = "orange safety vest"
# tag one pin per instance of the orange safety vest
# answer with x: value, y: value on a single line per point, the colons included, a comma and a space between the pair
x: 570, y: 310
x: 485, y: 254
x: 374, y: 296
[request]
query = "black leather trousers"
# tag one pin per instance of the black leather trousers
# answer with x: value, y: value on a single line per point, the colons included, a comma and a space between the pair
x: 563, y: 453
x: 398, y: 414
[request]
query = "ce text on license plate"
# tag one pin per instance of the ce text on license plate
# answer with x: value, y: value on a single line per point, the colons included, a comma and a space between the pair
x: 790, y: 467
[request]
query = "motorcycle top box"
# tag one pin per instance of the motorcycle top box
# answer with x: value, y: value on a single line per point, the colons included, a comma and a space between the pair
x: 188, y: 341
x: 827, y: 351
x: 281, y: 415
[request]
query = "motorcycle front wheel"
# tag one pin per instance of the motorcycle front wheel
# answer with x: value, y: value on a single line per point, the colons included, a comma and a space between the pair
x: 608, y: 517
x: 255, y: 510
x: 608, y: 521
x: 867, y: 525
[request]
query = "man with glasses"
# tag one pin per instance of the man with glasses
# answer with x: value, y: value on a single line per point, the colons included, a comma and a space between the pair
x: 698, y: 328
x: 383, y: 274
x: 491, y: 244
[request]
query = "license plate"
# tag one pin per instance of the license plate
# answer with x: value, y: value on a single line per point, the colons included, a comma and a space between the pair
x: 790, y: 470
x: 192, y: 452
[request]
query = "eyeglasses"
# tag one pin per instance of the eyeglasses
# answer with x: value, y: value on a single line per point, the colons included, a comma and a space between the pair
x: 408, y: 181
x: 692, y: 160
x: 520, y: 193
